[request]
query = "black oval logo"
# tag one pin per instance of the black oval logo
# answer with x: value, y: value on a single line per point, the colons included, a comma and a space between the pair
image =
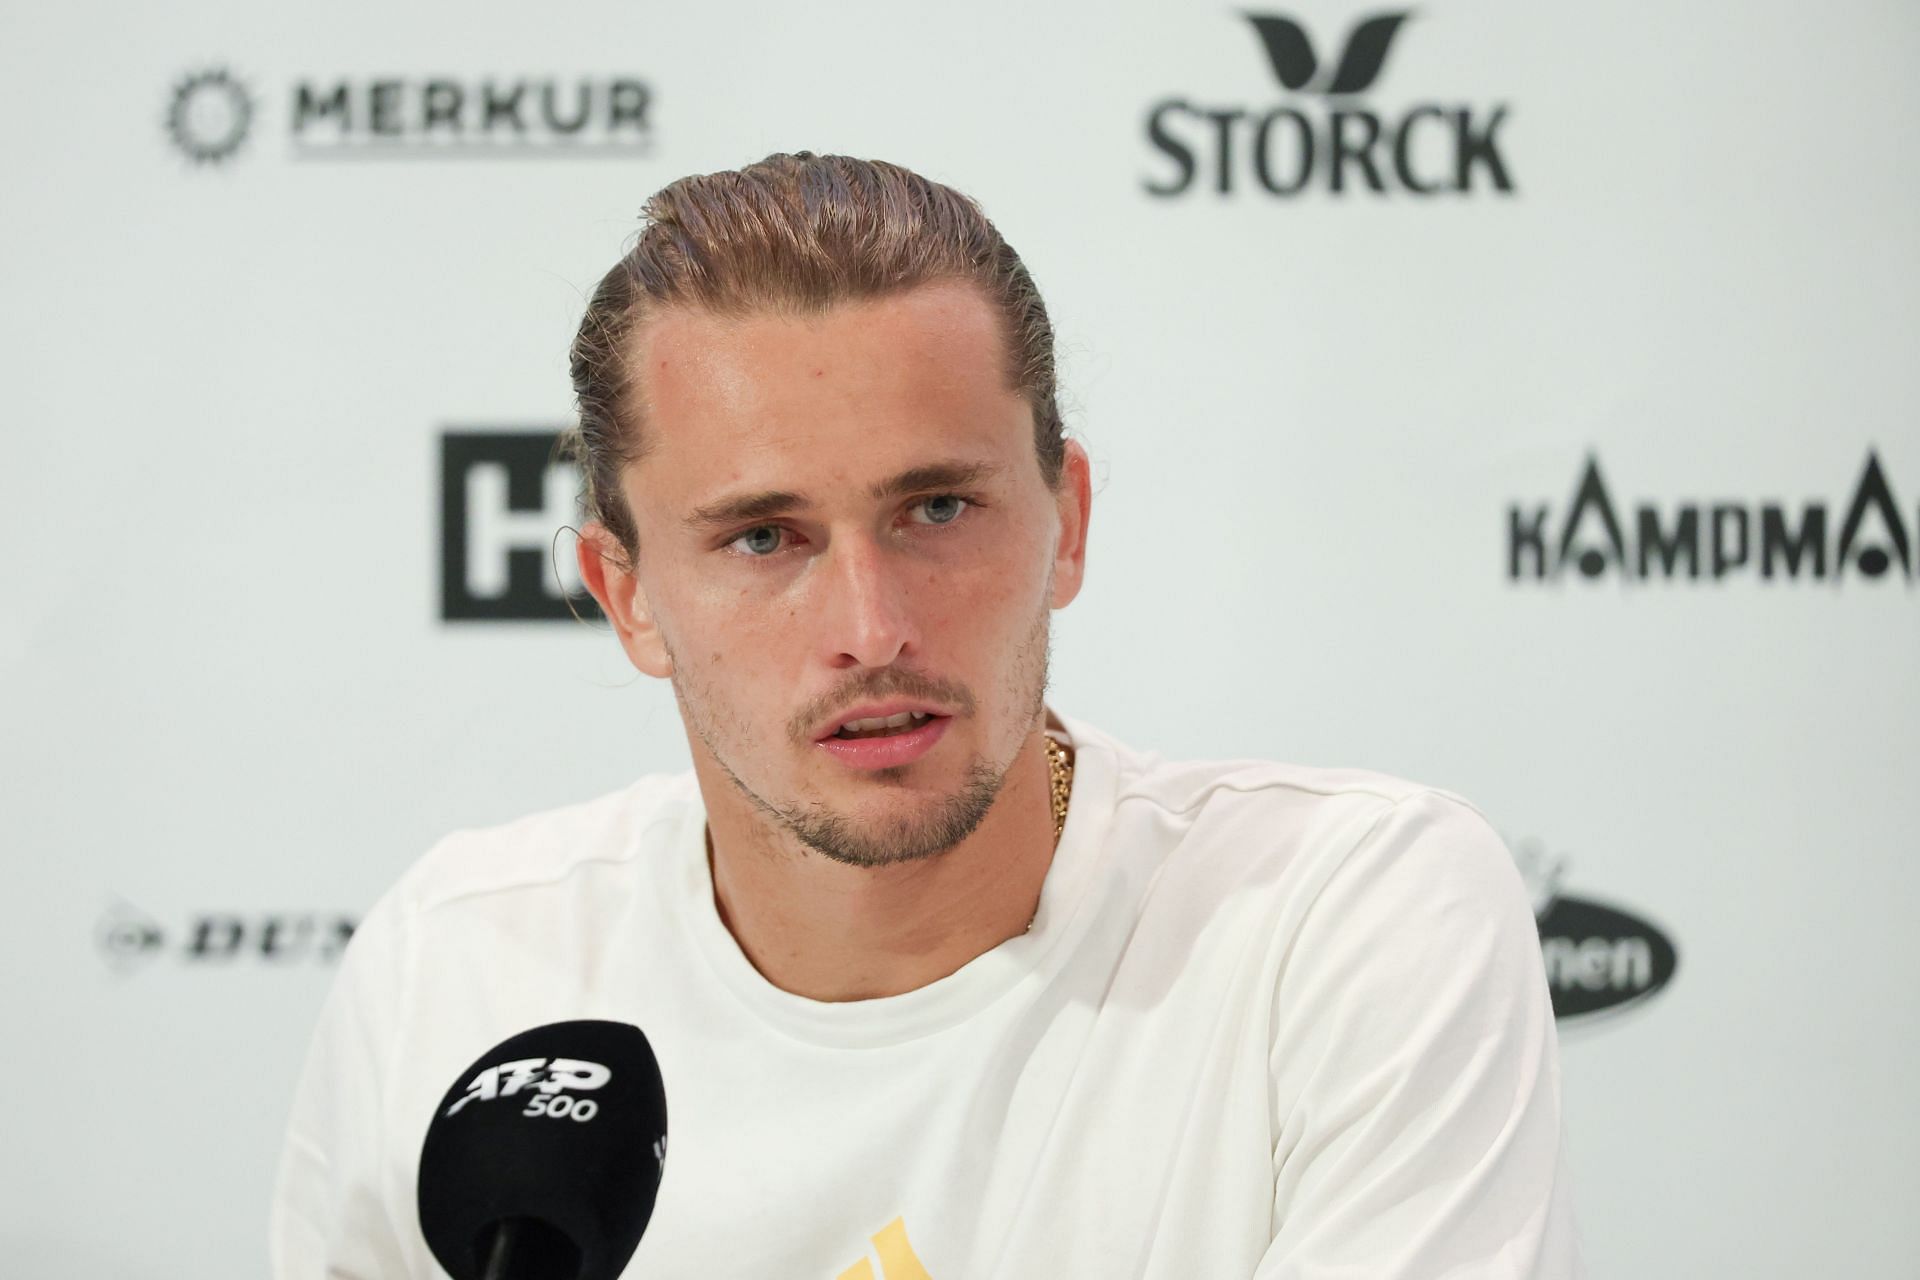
x: 1601, y: 958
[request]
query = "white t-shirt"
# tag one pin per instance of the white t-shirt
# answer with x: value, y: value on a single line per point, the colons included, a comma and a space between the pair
x: 1270, y: 1022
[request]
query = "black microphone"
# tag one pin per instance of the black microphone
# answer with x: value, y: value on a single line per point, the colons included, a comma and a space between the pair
x: 545, y: 1156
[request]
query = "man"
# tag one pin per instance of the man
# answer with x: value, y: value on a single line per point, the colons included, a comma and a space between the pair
x: 939, y: 978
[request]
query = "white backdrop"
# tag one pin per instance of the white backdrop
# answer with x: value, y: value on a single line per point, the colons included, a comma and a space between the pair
x: 235, y: 712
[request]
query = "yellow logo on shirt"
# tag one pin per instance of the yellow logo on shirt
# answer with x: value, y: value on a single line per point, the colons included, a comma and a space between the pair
x: 897, y: 1258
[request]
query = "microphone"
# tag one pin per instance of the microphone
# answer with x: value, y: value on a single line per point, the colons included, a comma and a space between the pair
x: 544, y: 1159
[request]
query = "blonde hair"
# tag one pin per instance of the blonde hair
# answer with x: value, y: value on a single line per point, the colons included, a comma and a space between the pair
x: 793, y: 233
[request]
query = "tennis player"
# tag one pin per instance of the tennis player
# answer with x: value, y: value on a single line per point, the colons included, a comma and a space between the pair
x: 944, y: 982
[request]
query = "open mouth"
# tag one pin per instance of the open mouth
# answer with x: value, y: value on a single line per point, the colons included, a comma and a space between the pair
x: 891, y: 727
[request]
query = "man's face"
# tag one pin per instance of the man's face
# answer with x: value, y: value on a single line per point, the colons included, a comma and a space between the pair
x: 778, y: 621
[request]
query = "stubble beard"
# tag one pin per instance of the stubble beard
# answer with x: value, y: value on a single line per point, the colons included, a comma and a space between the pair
x: 906, y: 837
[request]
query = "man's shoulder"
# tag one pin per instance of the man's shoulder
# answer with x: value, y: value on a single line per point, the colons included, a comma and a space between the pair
x: 549, y: 846
x: 1186, y: 785
x: 1191, y: 785
x: 1269, y: 808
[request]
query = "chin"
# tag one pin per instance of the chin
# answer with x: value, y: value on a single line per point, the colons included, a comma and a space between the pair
x: 886, y: 830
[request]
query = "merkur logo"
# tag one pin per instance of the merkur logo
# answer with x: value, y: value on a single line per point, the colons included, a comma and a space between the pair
x: 389, y: 118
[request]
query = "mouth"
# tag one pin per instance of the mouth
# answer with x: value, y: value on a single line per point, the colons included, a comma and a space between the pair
x: 869, y: 745
x: 883, y: 726
x: 879, y: 719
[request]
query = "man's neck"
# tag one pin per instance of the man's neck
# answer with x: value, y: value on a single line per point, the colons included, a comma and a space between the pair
x: 828, y: 931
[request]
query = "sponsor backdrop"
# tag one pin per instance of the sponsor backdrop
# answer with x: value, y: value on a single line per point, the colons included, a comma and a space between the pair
x: 1519, y: 397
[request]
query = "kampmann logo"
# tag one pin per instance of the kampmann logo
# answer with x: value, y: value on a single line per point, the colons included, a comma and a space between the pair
x: 1595, y: 535
x: 351, y: 117
x: 1327, y: 138
x: 505, y: 498
x: 1599, y: 958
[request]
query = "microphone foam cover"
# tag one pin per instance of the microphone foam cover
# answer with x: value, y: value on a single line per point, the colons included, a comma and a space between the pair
x: 563, y: 1128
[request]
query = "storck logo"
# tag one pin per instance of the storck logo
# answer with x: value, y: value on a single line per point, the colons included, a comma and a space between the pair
x: 1290, y: 51
x: 1328, y: 141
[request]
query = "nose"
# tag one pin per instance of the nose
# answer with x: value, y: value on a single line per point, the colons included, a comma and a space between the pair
x: 870, y: 616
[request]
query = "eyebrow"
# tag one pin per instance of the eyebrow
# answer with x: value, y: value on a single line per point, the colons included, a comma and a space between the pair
x: 775, y: 502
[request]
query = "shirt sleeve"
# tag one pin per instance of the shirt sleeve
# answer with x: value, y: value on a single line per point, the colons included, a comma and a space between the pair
x: 1415, y: 1068
x: 329, y: 1218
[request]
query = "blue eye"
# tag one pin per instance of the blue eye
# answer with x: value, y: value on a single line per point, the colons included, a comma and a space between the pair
x: 763, y: 550
x: 946, y: 497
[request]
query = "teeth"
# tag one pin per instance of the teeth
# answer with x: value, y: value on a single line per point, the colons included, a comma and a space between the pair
x: 885, y: 722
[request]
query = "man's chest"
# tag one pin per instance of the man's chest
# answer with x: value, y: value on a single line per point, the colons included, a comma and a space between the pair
x: 1115, y: 1120
x: 1069, y: 1143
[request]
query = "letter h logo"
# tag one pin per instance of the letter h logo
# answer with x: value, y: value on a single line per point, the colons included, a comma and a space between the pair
x: 503, y: 500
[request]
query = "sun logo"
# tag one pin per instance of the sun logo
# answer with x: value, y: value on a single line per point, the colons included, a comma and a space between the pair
x: 209, y: 115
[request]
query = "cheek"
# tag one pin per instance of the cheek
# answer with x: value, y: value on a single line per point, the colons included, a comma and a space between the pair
x: 976, y: 598
x: 741, y: 636
x: 977, y: 616
x: 749, y: 645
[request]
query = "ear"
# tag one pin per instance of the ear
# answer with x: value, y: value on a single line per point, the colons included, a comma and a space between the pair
x: 1074, y: 505
x: 610, y: 575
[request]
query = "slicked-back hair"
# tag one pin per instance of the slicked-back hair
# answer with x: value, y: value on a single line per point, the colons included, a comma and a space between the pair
x: 792, y: 234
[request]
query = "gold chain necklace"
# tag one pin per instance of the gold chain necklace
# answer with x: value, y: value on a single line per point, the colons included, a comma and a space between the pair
x: 1060, y: 768
x: 1060, y: 765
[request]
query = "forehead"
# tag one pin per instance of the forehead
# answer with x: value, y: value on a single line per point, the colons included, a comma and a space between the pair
x: 836, y: 395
